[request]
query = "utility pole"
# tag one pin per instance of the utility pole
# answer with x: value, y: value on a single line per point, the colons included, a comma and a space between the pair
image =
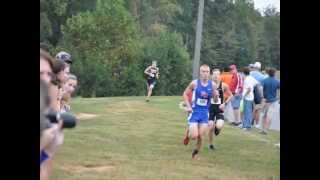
x: 196, y: 59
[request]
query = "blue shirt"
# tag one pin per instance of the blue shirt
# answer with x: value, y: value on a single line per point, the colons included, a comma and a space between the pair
x: 201, y: 96
x: 270, y: 87
x: 258, y: 76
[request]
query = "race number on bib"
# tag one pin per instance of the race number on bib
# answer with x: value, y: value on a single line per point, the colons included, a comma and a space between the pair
x: 217, y: 102
x: 202, y: 102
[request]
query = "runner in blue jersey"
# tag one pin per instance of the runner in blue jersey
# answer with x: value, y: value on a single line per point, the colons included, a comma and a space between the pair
x: 203, y: 90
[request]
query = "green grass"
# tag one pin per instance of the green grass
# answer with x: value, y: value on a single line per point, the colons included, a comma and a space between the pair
x: 131, y: 139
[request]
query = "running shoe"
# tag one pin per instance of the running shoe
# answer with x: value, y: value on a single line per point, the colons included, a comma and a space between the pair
x: 217, y: 131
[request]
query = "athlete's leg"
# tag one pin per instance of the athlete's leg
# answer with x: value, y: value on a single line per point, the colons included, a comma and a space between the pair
x: 150, y: 90
x: 203, y: 128
x: 219, y: 124
x: 211, y: 129
x: 194, y: 131
x: 147, y: 90
x: 186, y: 138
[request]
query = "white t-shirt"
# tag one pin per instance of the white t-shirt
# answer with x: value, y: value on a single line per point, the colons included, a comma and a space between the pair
x: 249, y: 82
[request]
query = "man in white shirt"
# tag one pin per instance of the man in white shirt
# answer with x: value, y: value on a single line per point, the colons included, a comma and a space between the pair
x: 248, y: 97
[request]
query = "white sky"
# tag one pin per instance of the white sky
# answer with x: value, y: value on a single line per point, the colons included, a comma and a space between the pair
x: 261, y: 4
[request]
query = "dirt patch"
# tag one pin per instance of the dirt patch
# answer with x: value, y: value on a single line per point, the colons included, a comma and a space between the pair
x: 86, y: 168
x: 85, y: 116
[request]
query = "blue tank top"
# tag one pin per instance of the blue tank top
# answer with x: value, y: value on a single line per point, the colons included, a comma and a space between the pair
x: 201, y: 96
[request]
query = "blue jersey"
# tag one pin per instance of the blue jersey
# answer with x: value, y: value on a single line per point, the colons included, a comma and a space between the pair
x: 201, y: 96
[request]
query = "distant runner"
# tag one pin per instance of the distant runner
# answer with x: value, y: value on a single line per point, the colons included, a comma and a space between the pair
x: 153, y: 74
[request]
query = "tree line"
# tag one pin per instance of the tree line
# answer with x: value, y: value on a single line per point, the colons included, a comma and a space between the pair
x: 113, y: 41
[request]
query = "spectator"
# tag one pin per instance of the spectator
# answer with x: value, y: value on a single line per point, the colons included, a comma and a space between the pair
x: 60, y: 77
x: 47, y: 147
x: 226, y: 76
x: 270, y: 89
x: 257, y: 74
x: 236, y: 87
x: 71, y: 84
x: 66, y: 58
x: 69, y: 88
x: 248, y: 97
x: 46, y: 66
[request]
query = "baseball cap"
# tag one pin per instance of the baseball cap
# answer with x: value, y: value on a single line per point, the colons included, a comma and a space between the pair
x: 257, y: 65
x: 64, y: 56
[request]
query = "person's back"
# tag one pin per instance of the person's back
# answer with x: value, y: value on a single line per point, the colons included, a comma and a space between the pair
x: 257, y: 75
x: 270, y: 87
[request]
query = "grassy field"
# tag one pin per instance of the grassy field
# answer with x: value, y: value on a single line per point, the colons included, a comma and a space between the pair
x: 126, y: 138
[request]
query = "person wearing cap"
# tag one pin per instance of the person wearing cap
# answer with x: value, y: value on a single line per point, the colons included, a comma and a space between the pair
x: 66, y: 58
x: 256, y: 74
x: 236, y: 87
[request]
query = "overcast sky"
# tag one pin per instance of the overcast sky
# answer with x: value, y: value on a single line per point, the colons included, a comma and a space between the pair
x: 261, y: 4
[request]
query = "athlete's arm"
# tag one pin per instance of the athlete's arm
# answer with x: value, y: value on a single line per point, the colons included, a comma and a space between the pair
x: 215, y: 92
x: 228, y: 92
x: 146, y: 71
x: 158, y: 73
x: 188, y: 90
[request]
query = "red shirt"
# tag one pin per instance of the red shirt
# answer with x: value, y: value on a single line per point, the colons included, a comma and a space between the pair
x: 236, y: 84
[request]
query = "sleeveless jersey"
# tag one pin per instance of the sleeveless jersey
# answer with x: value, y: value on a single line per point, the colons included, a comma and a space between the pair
x: 201, y: 96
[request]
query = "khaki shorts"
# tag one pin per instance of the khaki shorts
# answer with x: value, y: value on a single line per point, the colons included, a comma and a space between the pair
x: 259, y: 106
x: 269, y: 109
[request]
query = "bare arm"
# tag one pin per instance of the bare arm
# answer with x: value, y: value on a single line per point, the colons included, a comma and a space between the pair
x: 146, y: 71
x: 227, y: 91
x: 158, y: 73
x: 188, y: 90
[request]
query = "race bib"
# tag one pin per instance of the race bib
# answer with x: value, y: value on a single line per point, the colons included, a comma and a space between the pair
x: 202, y: 102
x: 218, y: 101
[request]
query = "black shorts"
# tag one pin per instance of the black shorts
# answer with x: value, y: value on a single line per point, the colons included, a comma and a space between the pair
x: 151, y: 81
x: 215, y: 112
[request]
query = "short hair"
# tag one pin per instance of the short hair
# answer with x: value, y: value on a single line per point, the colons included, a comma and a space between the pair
x: 246, y: 71
x: 58, y: 66
x: 47, y: 57
x: 271, y: 72
x: 73, y: 77
x: 216, y: 70
x: 204, y: 66
x: 226, y: 69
